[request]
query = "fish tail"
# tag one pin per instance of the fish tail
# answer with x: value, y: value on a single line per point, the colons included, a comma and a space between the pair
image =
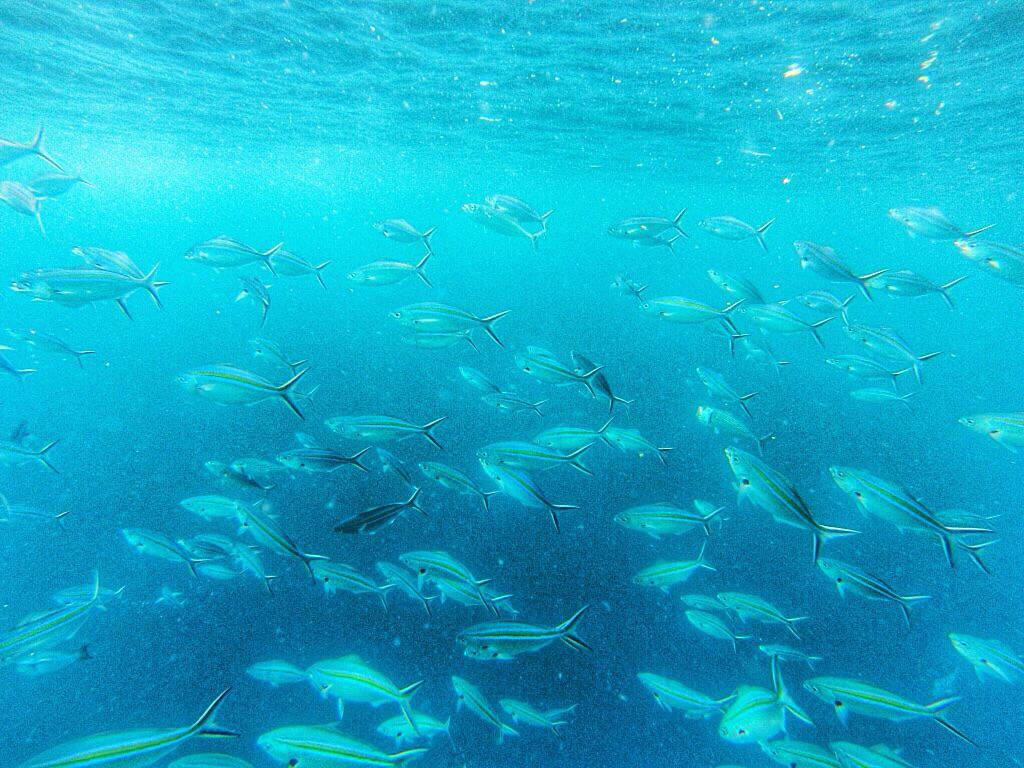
x: 708, y: 517
x: 39, y: 218
x: 954, y: 730
x: 204, y: 726
x: 567, y: 629
x: 405, y: 694
x: 535, y: 407
x: 972, y: 233
x: 762, y: 440
x: 425, y: 430
x: 485, y: 497
x: 506, y: 729
x: 151, y: 285
x: 675, y: 223
x: 574, y: 459
x: 80, y: 354
x: 488, y: 321
x: 862, y: 282
x: 760, y: 234
x: 907, y: 601
x: 790, y: 622
x: 814, y: 330
x: 354, y: 459
x: 84, y: 654
x: 406, y: 756
x: 662, y: 452
x: 974, y: 552
x: 419, y: 268
x: 544, y: 217
x: 318, y: 276
x: 943, y: 290
x: 730, y: 307
x: 604, y: 427
x: 307, y: 561
x: 284, y: 390
x: 37, y: 147
x: 267, y: 254
x: 929, y: 356
x: 701, y: 562
x: 824, y: 533
x: 534, y: 237
x: 413, y: 502
x: 40, y: 456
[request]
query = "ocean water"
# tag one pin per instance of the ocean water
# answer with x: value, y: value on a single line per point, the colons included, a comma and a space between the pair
x: 307, y: 123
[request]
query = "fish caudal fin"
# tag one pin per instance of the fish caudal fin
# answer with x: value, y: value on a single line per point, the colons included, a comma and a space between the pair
x: 267, y: 254
x: 488, y: 321
x: 907, y: 601
x: 862, y: 282
x: 944, y: 290
x: 420, y: 266
x: 573, y: 459
x: 972, y: 233
x: 37, y: 147
x: 823, y: 533
x: 316, y: 273
x: 40, y: 456
x: 760, y: 234
x: 675, y: 223
x: 406, y: 756
x: 426, y: 431
x: 205, y: 726
x: 814, y: 330
x: 284, y: 390
x: 152, y: 285
x: 485, y: 498
x: 568, y: 631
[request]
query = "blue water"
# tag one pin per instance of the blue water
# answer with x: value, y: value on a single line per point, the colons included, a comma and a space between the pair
x: 280, y: 121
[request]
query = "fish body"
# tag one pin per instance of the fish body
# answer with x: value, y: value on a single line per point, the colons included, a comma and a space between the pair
x: 677, y: 309
x: 646, y: 227
x: 858, y: 756
x: 788, y: 653
x: 719, y: 387
x: 740, y: 287
x: 671, y: 694
x: 379, y: 273
x: 906, y: 284
x: 502, y: 222
x: 799, y: 754
x: 155, y: 544
x: 1007, y: 429
x: 455, y: 480
x: 518, y: 209
x: 664, y: 519
x: 325, y: 745
x: 79, y: 286
x: 756, y: 715
x: 46, y: 629
x: 349, y: 679
x: 731, y: 228
x: 48, y: 342
x: 382, y: 429
x: 287, y: 264
x: 997, y: 259
x: 726, y: 423
x: 887, y: 344
x: 714, y: 626
x: 511, y: 403
x: 341, y: 577
x: 503, y: 640
x: 399, y: 577
x: 664, y: 575
x: 865, y: 368
x: 769, y: 490
x: 632, y: 441
x: 523, y: 712
x: 565, y: 438
x: 520, y: 454
x: 427, y: 727
x: 754, y: 608
x: 478, y: 380
x: 401, y: 231
x: 371, y: 519
x: 24, y: 200
x: 266, y: 530
x: 824, y: 261
x: 775, y: 318
x: 992, y: 659
x: 53, y: 185
x: 253, y: 288
x: 930, y: 222
x: 230, y: 385
x: 824, y: 303
x: 519, y: 485
x: 850, y: 578
x: 223, y: 251
x: 311, y: 456
x: 277, y: 672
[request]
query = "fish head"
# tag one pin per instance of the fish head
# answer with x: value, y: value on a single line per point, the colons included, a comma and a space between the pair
x: 357, y: 276
x: 739, y: 463
x: 975, y: 423
x: 290, y: 460
x: 186, y: 379
x: 817, y: 687
x: 847, y: 480
x: 961, y: 643
x: 623, y: 518
x: 900, y: 214
x: 704, y: 414
x: 972, y: 249
x: 197, y: 253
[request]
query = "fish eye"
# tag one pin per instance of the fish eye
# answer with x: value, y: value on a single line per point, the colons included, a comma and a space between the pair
x: 839, y: 580
x: 858, y: 494
x: 838, y: 704
x: 745, y: 481
x: 741, y: 732
x: 293, y: 762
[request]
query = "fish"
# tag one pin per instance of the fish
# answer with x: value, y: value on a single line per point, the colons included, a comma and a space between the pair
x: 990, y: 658
x: 391, y: 463
x: 665, y: 519
x: 724, y: 422
x: 389, y: 272
x: 519, y: 485
x: 469, y: 695
x: 787, y: 653
x: 10, y: 513
x: 248, y: 559
x: 12, y: 150
x: 268, y: 531
x: 372, y: 519
x: 858, y: 756
x: 522, y: 712
x: 505, y: 640
x: 50, y: 343
x: 1007, y: 429
x: 714, y: 626
x: 397, y: 576
x: 882, y: 396
x: 503, y: 223
x: 671, y: 694
x: 519, y: 454
x: 427, y: 727
x: 242, y: 478
x: 508, y: 403
x: 211, y: 507
x: 518, y: 209
x: 736, y: 286
x: 825, y: 303
x: 338, y: 576
x: 665, y: 575
x: 106, y: 259
x: 464, y: 594
x: 776, y: 318
x: 703, y: 602
x: 626, y: 286
x: 823, y: 260
x: 543, y: 365
x: 287, y: 264
x: 799, y: 754
x: 596, y: 379
x: 253, y: 287
x: 932, y: 223
x: 23, y: 200
x: 209, y: 760
x: 719, y: 387
x: 563, y: 438
x: 79, y: 286
x: 646, y: 227
x: 54, y: 185
x: 441, y: 565
x: 848, y: 696
x: 677, y: 309
x: 382, y: 429
x: 864, y: 368
x: 478, y: 380
x: 401, y: 231
x: 46, y: 661
x: 887, y: 344
x: 311, y: 456
x: 891, y: 502
x: 731, y: 228
x: 18, y: 449
x: 277, y: 672
x: 157, y: 545
x: 6, y: 366
x: 757, y: 715
x: 48, y: 628
x: 997, y: 259
x: 83, y: 594
x: 630, y: 440
x: 850, y: 578
x: 456, y: 480
x: 169, y: 596
x: 349, y: 679
x: 227, y: 384
x: 771, y: 491
x: 325, y: 745
x: 906, y: 284
x: 222, y: 251
x: 754, y: 608
x: 133, y: 749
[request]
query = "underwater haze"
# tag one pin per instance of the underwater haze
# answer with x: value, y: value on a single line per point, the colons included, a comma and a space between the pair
x: 701, y: 318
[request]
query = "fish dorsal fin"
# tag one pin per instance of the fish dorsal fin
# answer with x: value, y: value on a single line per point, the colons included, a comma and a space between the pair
x: 307, y: 441
x: 19, y: 433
